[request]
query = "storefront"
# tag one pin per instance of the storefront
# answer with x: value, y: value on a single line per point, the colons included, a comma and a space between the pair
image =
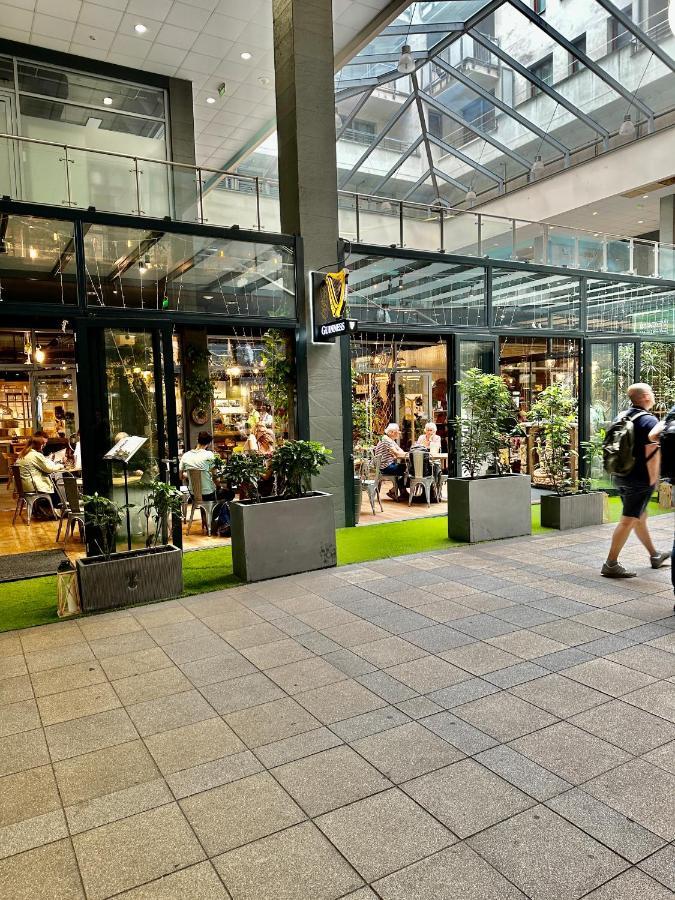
x: 111, y: 326
x: 425, y: 319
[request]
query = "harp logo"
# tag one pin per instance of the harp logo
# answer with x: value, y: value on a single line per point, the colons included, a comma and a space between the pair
x: 336, y: 289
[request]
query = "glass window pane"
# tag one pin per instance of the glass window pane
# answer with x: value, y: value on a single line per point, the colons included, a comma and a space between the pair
x: 630, y: 307
x: 36, y: 261
x: 136, y: 269
x: 657, y: 367
x: 526, y: 300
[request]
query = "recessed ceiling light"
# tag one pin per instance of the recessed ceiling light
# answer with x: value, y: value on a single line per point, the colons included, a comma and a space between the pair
x: 140, y: 28
x: 246, y: 55
x: 595, y: 213
x: 210, y: 99
x: 264, y: 80
x: 107, y: 101
x: 208, y: 296
x: 644, y: 196
x: 641, y: 221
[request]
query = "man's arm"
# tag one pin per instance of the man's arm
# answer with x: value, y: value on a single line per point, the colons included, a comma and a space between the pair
x: 653, y: 456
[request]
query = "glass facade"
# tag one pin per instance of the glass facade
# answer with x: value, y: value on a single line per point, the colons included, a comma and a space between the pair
x: 36, y: 261
x: 527, y: 300
x: 630, y: 307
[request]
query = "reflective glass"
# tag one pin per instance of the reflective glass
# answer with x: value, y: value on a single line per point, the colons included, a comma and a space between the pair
x: 630, y: 307
x: 526, y: 300
x: 36, y: 261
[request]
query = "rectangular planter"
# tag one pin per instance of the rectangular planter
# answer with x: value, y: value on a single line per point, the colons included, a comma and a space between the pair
x: 282, y: 537
x: 137, y: 576
x: 489, y: 508
x: 572, y: 510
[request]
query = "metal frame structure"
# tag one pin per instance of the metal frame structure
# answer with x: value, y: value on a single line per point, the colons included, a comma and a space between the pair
x: 364, y: 88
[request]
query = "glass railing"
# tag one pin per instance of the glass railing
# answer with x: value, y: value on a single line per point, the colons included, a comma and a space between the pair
x: 60, y: 175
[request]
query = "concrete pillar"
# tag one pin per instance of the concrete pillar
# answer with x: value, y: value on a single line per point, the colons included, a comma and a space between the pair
x: 303, y: 59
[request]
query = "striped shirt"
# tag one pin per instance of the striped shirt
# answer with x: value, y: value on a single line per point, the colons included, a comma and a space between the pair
x: 385, y: 452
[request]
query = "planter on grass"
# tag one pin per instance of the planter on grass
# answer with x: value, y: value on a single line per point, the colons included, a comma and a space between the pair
x: 278, y: 537
x: 489, y: 507
x: 137, y: 576
x: 572, y: 510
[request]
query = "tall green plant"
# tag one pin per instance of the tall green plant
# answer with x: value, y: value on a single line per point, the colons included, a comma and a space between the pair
x: 591, y: 455
x: 102, y: 518
x: 555, y: 411
x: 245, y: 470
x: 294, y: 464
x: 484, y: 423
x: 277, y: 374
x: 162, y: 502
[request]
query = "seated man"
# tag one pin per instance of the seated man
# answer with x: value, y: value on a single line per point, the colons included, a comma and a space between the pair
x: 391, y: 460
x: 201, y: 458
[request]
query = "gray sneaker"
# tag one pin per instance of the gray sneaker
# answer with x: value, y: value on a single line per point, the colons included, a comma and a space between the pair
x: 616, y: 570
x: 659, y: 560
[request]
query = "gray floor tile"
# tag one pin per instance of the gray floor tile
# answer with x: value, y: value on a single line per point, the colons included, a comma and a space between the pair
x: 427, y: 674
x: 317, y: 643
x: 369, y: 723
x: 626, y: 726
x: 664, y: 757
x: 349, y: 663
x: 296, y: 864
x: 241, y: 693
x: 563, y: 659
x: 464, y: 692
x: 569, y: 632
x: 297, y: 747
x: 484, y: 626
x: 559, y: 861
x: 467, y: 797
x: 205, y: 776
x: 437, y: 638
x: 609, y: 644
x: 402, y: 621
x: 606, y: 825
x: 386, y: 687
x: 515, y: 675
x: 504, y: 716
x: 213, y: 669
x: 649, y: 660
x: 523, y: 773
x: 480, y: 658
x: 608, y: 677
x: 330, y: 779
x: 95, y: 732
x: 270, y: 722
x: 631, y: 885
x: 658, y: 699
x: 343, y: 700
x: 304, y: 675
x: 166, y: 713
x: 460, y: 734
x: 406, y: 751
x: 526, y: 644
x: 199, y: 882
x: 662, y: 866
x: 383, y: 833
x: 524, y: 616
x: 558, y: 695
x: 418, y: 707
x: 45, y: 873
x: 193, y: 744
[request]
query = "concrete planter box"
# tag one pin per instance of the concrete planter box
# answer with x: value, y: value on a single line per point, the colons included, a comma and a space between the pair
x: 489, y: 508
x: 572, y: 510
x: 137, y: 576
x: 282, y: 537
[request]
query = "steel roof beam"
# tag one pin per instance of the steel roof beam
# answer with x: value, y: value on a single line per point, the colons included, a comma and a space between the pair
x: 418, y: 183
x: 352, y: 115
x: 470, y: 23
x: 541, y: 85
x: 562, y: 41
x: 507, y: 110
x: 641, y: 35
x: 453, y: 151
x: 425, y: 135
x: 365, y: 59
x: 411, y: 149
x: 383, y: 133
x: 449, y: 179
x: 431, y: 28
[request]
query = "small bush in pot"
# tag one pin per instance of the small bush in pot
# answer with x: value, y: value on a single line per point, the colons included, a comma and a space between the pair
x: 295, y: 462
x: 102, y: 518
x: 244, y: 470
x: 163, y: 502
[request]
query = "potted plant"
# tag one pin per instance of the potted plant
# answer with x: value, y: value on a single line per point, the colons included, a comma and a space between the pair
x: 486, y: 503
x: 199, y: 394
x: 291, y: 532
x: 572, y: 504
x: 109, y: 579
x: 244, y: 470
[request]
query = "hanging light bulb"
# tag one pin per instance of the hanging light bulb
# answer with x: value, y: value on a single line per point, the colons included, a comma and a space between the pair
x: 406, y: 63
x: 537, y: 166
x: 39, y: 355
x: 470, y: 196
x: 628, y: 126
x: 338, y: 120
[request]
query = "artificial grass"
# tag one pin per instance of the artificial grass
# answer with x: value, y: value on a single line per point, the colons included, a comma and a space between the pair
x: 33, y: 601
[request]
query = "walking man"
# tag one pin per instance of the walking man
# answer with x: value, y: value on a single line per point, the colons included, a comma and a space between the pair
x: 636, y: 488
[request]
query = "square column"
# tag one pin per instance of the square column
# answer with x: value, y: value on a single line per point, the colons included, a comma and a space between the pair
x: 304, y: 67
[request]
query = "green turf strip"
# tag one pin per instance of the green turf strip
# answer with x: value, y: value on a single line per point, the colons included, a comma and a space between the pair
x: 33, y: 601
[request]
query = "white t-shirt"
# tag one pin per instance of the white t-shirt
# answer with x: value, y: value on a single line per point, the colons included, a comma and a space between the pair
x: 200, y: 459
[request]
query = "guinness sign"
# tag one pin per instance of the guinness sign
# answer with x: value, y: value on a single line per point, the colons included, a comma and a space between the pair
x: 329, y: 306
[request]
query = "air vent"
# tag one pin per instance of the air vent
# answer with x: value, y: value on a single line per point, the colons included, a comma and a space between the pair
x: 648, y: 188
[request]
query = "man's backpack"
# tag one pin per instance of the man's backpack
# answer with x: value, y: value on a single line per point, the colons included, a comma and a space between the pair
x: 618, y: 448
x: 668, y: 449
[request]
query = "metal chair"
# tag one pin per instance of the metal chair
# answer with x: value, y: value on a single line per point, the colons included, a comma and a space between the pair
x: 369, y: 481
x: 384, y: 476
x: 27, y: 499
x: 417, y: 477
x: 205, y: 507
x: 71, y: 510
x: 441, y: 481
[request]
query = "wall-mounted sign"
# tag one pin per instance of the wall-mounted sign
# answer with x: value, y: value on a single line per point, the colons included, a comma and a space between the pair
x: 329, y: 306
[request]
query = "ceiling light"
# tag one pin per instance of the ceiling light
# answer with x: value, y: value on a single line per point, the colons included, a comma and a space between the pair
x: 140, y: 28
x: 537, y: 166
x: 246, y: 55
x: 645, y: 196
x: 39, y: 355
x: 595, y: 213
x: 264, y: 80
x: 406, y: 63
x: 107, y: 101
x: 210, y: 99
x: 641, y: 221
x: 627, y: 126
x: 208, y: 296
x: 470, y: 196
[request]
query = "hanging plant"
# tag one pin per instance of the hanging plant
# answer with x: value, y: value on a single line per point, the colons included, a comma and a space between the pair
x: 199, y: 391
x: 277, y: 373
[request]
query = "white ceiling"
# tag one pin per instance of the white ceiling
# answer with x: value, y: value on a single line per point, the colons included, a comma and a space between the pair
x: 619, y: 215
x: 199, y: 40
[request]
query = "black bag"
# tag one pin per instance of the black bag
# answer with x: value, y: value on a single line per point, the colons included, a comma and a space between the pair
x: 618, y: 448
x: 668, y: 449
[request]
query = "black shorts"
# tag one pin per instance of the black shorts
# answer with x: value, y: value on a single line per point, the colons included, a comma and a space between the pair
x: 634, y: 498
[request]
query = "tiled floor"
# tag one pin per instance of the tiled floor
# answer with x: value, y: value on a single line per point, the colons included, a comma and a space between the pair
x: 488, y: 723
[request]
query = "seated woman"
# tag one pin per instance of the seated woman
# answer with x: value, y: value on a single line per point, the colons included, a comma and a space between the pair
x: 35, y: 468
x: 265, y: 440
x: 429, y: 439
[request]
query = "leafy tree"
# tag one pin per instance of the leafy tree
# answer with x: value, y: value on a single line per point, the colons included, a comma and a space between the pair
x: 555, y: 411
x: 486, y: 420
x: 162, y: 502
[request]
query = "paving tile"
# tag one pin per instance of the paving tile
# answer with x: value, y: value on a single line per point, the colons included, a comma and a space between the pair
x: 438, y: 638
x: 467, y: 797
x: 558, y: 695
x: 401, y: 621
x: 570, y: 752
x: 46, y: 873
x: 522, y: 772
x: 134, y: 663
x: 151, y: 685
x: 484, y: 626
x: 189, y: 651
x: 317, y: 643
x: 526, y: 644
x: 448, y: 875
x: 607, y: 620
x: 662, y: 866
x: 18, y: 717
x: 612, y: 643
x: 418, y: 707
x: 105, y: 729
x: 504, y: 716
x: 253, y: 635
x: 569, y: 632
x: 192, y: 630
x: 270, y: 722
x: 386, y: 687
x: 626, y: 726
x: 606, y: 825
x: 642, y: 792
x: 124, y: 854
x: 406, y: 751
x: 105, y: 771
x: 241, y: 693
x: 30, y: 811
x: 464, y: 692
x: 349, y: 663
x: 31, y: 833
x: 515, y: 675
x: 209, y: 775
x: 631, y: 885
x: 355, y: 633
x: 524, y: 616
x: 167, y: 713
x: 43, y: 660
x: 117, y: 805
x: 297, y: 747
x: 232, y: 815
x: 304, y: 675
x: 50, y: 637
x: 658, y: 699
x: 97, y: 627
x: 383, y: 833
x: 427, y: 674
x: 369, y: 723
x: 120, y: 645
x: 10, y: 666
x: 443, y: 610
x: 78, y: 675
x: 193, y: 744
x: 649, y: 660
x: 458, y: 733
x: 663, y: 756
x: 199, y: 882
x: 562, y: 606
x: 563, y: 659
x: 388, y: 651
x: 330, y: 779
x: 608, y: 677
x: 213, y: 669
x: 78, y: 703
x: 277, y: 653
x: 295, y: 864
x: 480, y: 658
x: 561, y: 861
x: 13, y: 690
x: 23, y: 750
x: 343, y: 700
